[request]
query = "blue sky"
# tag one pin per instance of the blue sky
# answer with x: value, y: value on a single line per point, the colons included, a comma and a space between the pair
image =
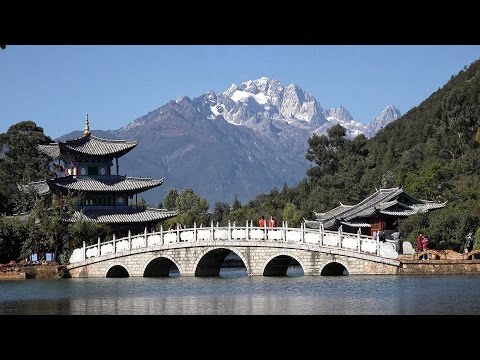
x: 56, y: 85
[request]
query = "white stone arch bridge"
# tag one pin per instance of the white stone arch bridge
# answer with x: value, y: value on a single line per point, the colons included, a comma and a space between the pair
x: 201, y: 251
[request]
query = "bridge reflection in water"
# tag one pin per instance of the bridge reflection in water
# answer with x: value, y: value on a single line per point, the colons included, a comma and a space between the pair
x: 205, y: 251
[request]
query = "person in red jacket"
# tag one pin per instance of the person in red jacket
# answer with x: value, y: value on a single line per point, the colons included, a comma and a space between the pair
x: 419, y: 242
x: 261, y: 222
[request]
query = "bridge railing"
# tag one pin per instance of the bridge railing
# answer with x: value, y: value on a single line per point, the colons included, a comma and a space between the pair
x: 248, y: 233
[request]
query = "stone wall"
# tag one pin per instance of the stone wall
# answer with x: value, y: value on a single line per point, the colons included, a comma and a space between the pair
x: 450, y: 267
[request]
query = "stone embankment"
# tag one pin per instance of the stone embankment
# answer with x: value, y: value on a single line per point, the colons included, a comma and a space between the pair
x: 438, y: 262
x: 32, y: 271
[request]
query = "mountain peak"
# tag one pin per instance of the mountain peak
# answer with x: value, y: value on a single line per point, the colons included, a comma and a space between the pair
x: 389, y: 114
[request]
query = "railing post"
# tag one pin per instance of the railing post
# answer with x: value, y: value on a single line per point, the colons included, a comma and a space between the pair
x: 129, y: 240
x: 284, y: 235
x: 161, y: 234
x: 146, y: 244
x: 178, y: 233
x: 114, y: 244
x: 229, y: 233
x: 359, y: 233
x: 246, y: 231
x: 340, y: 237
x: 322, y: 230
x: 84, y: 252
x: 286, y: 229
x: 99, y: 253
x: 302, y: 227
x: 265, y: 230
x: 212, y: 231
x: 378, y: 245
x: 195, y: 231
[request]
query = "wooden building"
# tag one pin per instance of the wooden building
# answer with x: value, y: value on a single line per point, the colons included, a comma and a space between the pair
x: 379, y: 211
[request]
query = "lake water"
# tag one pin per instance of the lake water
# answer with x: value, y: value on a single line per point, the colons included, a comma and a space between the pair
x: 233, y: 294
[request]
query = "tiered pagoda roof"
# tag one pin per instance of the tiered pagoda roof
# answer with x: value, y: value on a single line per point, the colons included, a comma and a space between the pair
x: 123, y: 215
x: 111, y: 184
x: 392, y: 202
x: 87, y: 153
x: 88, y: 145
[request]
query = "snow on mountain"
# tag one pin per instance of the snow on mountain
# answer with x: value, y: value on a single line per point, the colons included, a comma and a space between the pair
x: 391, y: 113
x: 265, y: 104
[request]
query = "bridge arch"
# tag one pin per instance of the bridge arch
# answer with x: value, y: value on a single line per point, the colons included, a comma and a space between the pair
x: 334, y: 268
x: 159, y: 268
x: 206, y: 265
x: 117, y: 270
x: 279, y: 267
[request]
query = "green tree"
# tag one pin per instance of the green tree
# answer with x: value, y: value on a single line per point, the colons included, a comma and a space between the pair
x: 192, y: 208
x: 220, y: 211
x: 87, y: 231
x: 12, y: 235
x: 236, y: 203
x: 291, y: 215
x: 20, y: 164
x: 53, y: 218
x: 170, y: 201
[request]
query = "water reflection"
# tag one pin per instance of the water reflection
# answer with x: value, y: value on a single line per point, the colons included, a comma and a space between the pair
x: 235, y: 293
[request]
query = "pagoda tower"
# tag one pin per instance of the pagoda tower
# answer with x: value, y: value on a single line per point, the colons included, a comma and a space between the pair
x: 87, y: 170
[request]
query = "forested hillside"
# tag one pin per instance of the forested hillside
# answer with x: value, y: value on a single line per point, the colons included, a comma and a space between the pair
x: 433, y: 152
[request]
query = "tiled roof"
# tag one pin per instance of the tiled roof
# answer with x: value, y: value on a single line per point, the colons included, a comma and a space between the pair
x: 40, y: 187
x: 334, y: 212
x: 355, y: 224
x: 384, y: 201
x: 366, y: 207
x: 113, y: 184
x: 89, y: 145
x: 52, y: 150
x: 414, y: 209
x: 122, y: 215
x: 315, y: 224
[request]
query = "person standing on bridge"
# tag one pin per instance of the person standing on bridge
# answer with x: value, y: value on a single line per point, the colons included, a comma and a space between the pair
x: 261, y: 222
x: 419, y: 242
x: 425, y: 245
x: 272, y: 222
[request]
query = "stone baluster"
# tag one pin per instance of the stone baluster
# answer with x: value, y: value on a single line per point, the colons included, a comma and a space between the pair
x: 286, y: 229
x: 212, y: 231
x: 265, y: 230
x: 302, y: 229
x: 229, y: 233
x: 359, y: 233
x: 284, y: 234
x: 84, y: 252
x: 322, y: 230
x: 114, y: 243
x: 378, y: 244
x: 129, y: 240
x: 340, y: 237
x: 178, y: 233
x: 246, y: 231
x: 195, y: 231
x: 146, y: 243
x: 99, y: 252
x: 161, y: 234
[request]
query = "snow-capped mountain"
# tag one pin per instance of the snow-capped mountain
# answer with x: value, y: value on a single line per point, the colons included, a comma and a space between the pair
x: 391, y: 113
x: 244, y: 141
